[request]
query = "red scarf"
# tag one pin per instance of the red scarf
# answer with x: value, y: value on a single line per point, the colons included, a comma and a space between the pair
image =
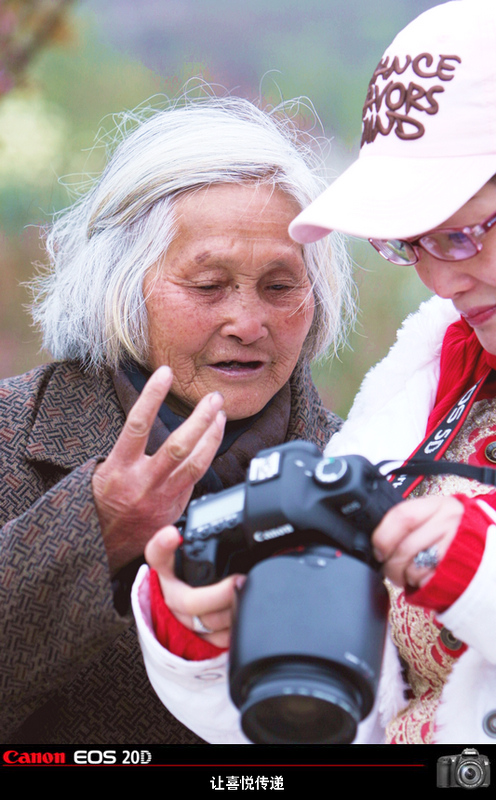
x: 463, y: 363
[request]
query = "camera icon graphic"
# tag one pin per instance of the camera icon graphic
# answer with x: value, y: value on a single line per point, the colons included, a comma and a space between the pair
x: 468, y: 770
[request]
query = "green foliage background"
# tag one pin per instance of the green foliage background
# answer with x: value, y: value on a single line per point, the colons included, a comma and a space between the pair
x: 117, y: 54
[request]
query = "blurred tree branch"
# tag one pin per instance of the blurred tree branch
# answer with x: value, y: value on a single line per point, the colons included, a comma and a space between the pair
x: 25, y: 27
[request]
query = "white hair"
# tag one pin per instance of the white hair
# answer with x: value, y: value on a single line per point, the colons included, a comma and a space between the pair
x: 89, y: 303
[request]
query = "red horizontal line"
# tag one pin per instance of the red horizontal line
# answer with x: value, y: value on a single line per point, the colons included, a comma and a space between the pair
x: 296, y: 765
x: 212, y: 766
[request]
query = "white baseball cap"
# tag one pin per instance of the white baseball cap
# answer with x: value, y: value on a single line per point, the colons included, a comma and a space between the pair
x: 429, y: 130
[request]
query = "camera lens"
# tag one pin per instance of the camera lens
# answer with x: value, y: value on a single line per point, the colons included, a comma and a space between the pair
x: 302, y: 704
x: 469, y: 774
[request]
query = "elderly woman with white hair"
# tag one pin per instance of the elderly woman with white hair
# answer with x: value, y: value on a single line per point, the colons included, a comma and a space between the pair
x: 182, y: 320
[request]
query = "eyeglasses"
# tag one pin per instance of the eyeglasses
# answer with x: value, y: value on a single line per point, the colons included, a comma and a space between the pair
x: 446, y: 244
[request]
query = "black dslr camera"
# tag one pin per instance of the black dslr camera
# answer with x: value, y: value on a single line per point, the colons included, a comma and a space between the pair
x: 292, y: 497
x: 469, y: 770
x: 310, y: 621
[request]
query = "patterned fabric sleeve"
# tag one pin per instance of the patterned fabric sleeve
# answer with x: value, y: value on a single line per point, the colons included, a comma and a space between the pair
x: 57, y: 609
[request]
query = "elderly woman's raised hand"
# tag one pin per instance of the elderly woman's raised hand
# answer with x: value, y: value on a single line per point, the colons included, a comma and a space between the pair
x: 136, y: 494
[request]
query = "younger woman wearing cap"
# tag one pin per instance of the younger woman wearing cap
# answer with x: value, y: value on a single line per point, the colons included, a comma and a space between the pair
x: 423, y: 193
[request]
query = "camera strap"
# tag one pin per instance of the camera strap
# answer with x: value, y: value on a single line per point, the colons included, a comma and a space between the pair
x: 426, y: 459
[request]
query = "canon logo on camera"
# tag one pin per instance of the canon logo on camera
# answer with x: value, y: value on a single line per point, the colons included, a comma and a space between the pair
x: 273, y: 533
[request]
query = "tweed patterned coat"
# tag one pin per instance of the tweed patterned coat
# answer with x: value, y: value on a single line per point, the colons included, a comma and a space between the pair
x: 71, y: 669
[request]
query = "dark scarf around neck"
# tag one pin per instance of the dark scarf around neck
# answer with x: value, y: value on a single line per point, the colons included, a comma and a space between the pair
x: 295, y: 412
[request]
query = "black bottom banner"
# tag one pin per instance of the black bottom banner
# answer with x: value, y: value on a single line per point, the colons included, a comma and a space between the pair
x: 272, y: 769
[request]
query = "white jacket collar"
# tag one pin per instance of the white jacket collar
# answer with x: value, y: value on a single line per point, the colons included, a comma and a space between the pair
x: 390, y: 412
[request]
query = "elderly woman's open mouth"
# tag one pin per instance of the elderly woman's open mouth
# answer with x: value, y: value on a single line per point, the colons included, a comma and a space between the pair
x: 236, y: 367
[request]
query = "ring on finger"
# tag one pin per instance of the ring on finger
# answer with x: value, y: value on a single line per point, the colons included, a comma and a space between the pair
x: 199, y: 627
x: 427, y: 559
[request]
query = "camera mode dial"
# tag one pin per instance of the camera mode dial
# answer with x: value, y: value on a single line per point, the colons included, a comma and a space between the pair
x: 330, y: 470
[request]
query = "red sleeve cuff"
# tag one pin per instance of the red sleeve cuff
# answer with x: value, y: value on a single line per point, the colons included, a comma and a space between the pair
x: 171, y: 633
x: 460, y: 563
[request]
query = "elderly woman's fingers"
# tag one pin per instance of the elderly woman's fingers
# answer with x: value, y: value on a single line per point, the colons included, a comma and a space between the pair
x: 133, y: 439
x: 415, y: 527
x: 134, y: 436
x: 130, y: 486
x: 136, y: 494
x: 190, y: 449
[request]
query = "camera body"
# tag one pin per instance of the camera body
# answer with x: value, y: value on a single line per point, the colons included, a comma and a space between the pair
x: 293, y: 497
x: 468, y: 770
x: 311, y: 618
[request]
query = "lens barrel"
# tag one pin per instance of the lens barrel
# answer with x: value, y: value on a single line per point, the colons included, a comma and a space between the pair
x: 307, y: 647
x: 301, y: 702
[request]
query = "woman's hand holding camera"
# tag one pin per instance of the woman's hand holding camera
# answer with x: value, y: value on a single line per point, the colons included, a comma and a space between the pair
x: 410, y: 528
x: 136, y: 494
x: 212, y: 605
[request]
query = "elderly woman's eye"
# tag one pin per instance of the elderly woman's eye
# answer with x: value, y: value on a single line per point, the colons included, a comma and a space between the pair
x: 208, y: 287
x: 281, y: 288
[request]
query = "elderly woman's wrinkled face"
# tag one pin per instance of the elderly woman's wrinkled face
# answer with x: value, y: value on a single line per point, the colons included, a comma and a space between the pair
x: 230, y: 305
